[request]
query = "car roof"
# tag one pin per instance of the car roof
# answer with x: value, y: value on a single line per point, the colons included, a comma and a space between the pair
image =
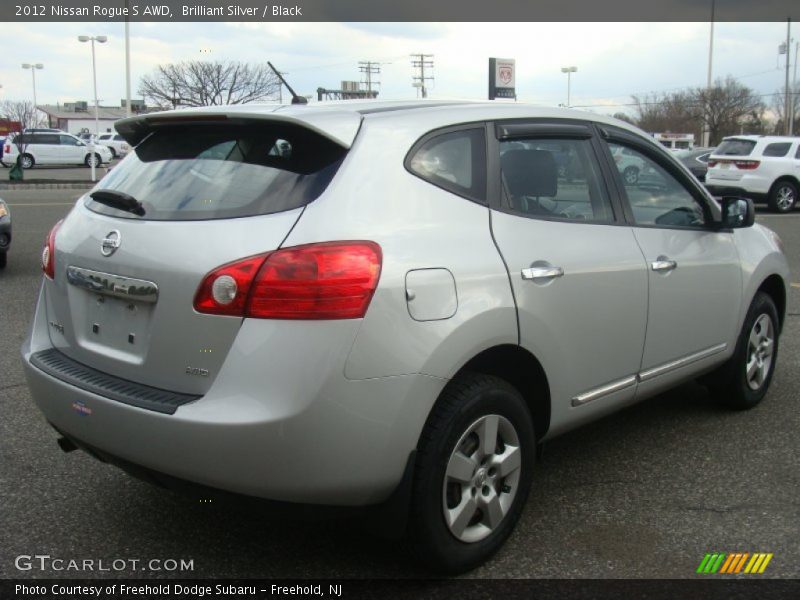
x: 341, y: 120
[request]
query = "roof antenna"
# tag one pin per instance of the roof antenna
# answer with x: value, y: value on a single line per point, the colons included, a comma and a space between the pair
x: 295, y: 98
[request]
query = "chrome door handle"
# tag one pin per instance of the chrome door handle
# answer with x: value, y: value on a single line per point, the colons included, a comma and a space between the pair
x: 542, y: 272
x: 663, y: 264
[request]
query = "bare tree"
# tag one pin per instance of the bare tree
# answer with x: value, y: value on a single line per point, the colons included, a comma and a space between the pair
x: 674, y: 112
x: 26, y: 114
x: 727, y: 108
x: 778, y: 107
x: 209, y: 83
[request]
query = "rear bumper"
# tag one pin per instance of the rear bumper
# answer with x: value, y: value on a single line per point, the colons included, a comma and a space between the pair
x: 734, y: 190
x: 303, y: 435
x: 751, y: 184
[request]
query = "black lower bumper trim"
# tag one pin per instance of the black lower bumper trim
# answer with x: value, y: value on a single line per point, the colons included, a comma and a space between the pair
x: 63, y: 368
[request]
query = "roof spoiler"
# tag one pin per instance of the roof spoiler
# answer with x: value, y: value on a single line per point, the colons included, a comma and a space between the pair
x: 340, y: 127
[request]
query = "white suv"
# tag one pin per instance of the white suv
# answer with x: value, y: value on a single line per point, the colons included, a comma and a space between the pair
x: 114, y: 142
x: 761, y: 167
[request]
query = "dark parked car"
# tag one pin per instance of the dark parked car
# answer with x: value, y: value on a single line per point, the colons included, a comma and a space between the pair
x: 696, y: 160
x: 5, y: 232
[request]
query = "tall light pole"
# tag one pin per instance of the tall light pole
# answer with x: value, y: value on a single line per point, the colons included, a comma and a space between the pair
x: 787, y: 95
x: 127, y: 60
x: 706, y: 131
x: 100, y: 39
x: 569, y: 71
x: 33, y: 67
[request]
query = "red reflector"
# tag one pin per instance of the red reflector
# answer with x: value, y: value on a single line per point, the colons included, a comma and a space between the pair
x: 331, y: 280
x: 746, y: 165
x: 49, y: 252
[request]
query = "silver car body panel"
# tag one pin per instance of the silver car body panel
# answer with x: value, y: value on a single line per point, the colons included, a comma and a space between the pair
x: 329, y: 411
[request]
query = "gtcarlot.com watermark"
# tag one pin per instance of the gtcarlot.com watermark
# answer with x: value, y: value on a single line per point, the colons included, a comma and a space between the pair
x: 47, y: 563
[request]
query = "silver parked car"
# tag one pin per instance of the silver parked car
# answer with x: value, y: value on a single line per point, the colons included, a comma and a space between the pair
x: 390, y: 304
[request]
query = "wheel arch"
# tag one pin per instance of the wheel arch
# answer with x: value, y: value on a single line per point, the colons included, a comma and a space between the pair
x: 788, y: 177
x: 775, y: 288
x: 521, y: 369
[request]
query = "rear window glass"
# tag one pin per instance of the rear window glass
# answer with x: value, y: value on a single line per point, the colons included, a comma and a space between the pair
x: 735, y: 148
x: 197, y: 172
x: 778, y: 149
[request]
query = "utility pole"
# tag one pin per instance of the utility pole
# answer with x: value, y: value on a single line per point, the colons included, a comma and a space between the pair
x: 421, y: 62
x: 794, y: 87
x: 706, y: 132
x: 787, y: 95
x: 369, y: 69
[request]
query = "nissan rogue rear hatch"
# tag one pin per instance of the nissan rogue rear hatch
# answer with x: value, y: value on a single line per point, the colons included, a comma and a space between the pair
x: 189, y: 198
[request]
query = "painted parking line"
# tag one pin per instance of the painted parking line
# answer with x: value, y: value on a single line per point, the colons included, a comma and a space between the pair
x: 795, y: 285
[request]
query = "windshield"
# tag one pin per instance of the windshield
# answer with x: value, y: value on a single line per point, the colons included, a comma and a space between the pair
x: 223, y: 171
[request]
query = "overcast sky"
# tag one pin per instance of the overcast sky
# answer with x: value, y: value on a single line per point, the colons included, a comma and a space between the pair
x: 614, y: 60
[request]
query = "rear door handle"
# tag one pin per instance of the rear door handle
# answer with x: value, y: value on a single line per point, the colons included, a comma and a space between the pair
x: 542, y: 272
x: 663, y: 263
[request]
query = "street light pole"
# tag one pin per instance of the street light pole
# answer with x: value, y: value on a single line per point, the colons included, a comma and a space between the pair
x: 569, y: 71
x: 127, y: 61
x: 33, y: 67
x: 787, y: 96
x: 101, y: 39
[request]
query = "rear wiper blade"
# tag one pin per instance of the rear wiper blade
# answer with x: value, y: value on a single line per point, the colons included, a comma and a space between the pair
x: 119, y: 200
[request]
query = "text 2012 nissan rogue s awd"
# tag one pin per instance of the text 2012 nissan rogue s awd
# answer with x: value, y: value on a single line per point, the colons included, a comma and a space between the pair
x: 360, y: 303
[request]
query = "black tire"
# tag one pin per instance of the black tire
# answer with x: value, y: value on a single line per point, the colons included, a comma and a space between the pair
x: 465, y: 401
x: 730, y: 383
x: 630, y: 175
x: 783, y: 196
x: 3, y: 260
x: 27, y: 158
x: 99, y: 161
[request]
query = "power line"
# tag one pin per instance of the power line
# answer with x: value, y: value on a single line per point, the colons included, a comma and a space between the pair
x: 421, y: 62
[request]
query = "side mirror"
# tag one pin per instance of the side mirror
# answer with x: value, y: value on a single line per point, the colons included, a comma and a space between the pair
x: 737, y: 212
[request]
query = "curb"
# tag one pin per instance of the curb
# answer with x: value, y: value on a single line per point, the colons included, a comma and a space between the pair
x: 56, y: 185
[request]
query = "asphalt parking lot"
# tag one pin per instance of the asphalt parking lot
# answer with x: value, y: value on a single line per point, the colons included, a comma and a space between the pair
x: 644, y: 493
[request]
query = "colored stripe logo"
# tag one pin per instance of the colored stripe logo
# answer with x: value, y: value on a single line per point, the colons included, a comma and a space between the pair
x: 731, y: 563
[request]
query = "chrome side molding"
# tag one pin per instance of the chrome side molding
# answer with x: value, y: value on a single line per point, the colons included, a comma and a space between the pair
x: 626, y: 382
x: 117, y: 286
x: 604, y: 391
x: 681, y: 362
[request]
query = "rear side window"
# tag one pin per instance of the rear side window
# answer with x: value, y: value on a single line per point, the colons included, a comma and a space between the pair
x: 777, y: 149
x: 197, y: 172
x: 455, y: 161
x: 735, y: 148
x: 118, y: 138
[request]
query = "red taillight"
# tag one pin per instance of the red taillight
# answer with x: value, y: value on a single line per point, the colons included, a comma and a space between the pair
x: 746, y: 165
x: 7, y: 149
x: 713, y: 163
x: 331, y: 280
x: 49, y: 252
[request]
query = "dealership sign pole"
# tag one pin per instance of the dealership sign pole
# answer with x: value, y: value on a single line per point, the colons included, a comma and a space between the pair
x: 502, y: 75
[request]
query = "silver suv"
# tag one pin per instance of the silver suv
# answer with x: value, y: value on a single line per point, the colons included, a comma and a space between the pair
x: 389, y: 304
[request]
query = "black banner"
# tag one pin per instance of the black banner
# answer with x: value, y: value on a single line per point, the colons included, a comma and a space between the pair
x: 407, y: 10
x: 382, y: 589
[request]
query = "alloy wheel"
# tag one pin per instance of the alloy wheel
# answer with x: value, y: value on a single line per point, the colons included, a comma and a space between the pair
x: 784, y: 197
x: 760, y: 347
x: 482, y: 478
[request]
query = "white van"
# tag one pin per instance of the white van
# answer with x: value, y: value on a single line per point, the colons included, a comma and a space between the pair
x: 51, y: 149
